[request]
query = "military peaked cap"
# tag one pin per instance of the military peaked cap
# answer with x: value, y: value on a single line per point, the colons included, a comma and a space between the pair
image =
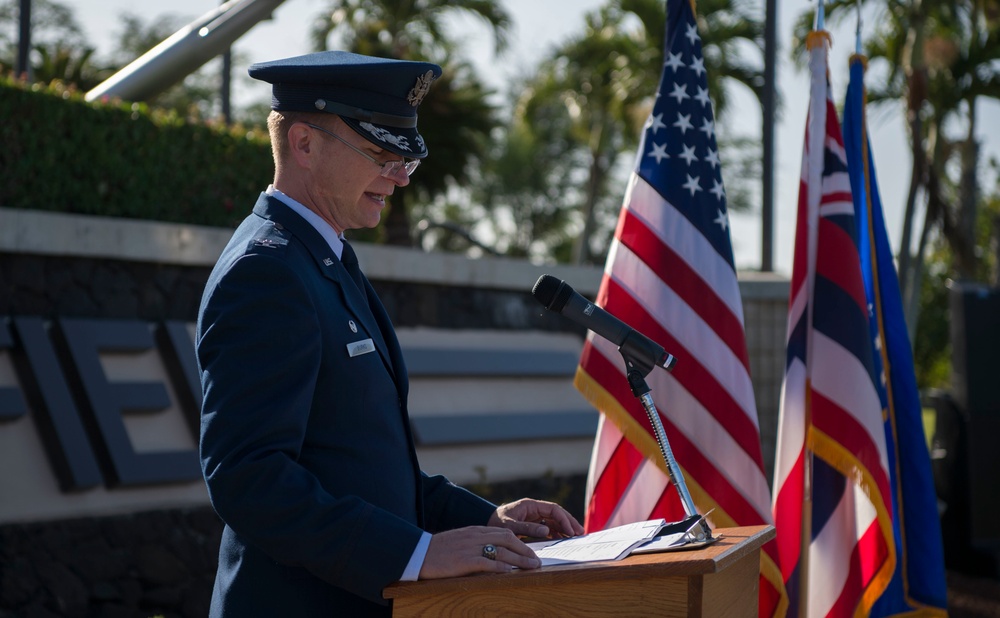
x: 377, y: 97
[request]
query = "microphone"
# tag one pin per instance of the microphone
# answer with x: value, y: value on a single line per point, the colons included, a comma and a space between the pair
x: 635, y: 347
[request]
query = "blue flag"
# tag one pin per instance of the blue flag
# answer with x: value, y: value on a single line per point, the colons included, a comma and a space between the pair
x: 918, y: 583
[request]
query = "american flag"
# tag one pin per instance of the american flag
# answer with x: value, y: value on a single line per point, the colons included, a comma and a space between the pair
x: 832, y: 491
x: 670, y: 275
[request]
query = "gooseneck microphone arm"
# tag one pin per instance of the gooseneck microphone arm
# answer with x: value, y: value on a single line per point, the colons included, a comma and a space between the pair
x: 641, y: 354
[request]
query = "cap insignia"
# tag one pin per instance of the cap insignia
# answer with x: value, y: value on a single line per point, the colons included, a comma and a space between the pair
x: 383, y: 135
x: 420, y: 89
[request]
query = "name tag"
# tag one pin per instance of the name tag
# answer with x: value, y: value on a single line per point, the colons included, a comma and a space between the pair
x: 360, y: 347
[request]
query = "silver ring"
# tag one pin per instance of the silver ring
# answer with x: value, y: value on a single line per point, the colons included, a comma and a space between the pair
x: 490, y: 552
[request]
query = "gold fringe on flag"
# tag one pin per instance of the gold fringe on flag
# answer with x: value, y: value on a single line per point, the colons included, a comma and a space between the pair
x: 818, y: 37
x: 842, y: 460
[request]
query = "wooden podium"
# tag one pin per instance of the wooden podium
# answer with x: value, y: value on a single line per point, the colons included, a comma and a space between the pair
x: 718, y: 581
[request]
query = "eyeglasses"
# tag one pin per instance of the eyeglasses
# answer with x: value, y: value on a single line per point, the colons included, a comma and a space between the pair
x: 388, y: 168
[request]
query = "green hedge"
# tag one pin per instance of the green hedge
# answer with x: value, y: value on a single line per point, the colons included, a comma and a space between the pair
x: 60, y: 153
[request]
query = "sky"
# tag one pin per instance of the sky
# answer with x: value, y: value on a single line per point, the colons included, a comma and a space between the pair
x: 540, y: 25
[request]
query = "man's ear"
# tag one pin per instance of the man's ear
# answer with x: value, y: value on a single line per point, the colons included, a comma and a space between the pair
x: 301, y: 145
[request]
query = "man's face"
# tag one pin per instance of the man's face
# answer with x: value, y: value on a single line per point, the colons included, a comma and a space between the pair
x: 348, y: 189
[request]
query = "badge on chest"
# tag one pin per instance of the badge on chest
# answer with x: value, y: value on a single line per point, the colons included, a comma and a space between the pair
x: 357, y: 348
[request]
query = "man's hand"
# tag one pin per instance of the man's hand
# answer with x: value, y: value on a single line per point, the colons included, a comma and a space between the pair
x: 536, y: 518
x: 460, y: 552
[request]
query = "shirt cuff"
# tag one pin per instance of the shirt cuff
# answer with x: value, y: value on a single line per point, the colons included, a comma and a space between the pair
x: 412, y: 571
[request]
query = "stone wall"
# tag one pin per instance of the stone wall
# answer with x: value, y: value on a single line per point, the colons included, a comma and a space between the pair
x: 156, y: 563
x: 159, y: 563
x: 87, y: 287
x: 765, y: 312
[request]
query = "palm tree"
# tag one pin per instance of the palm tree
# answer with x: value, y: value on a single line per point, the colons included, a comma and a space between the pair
x: 455, y: 117
x: 456, y: 120
x: 605, y: 78
x: 71, y: 66
x: 963, y: 46
x: 731, y: 30
x: 588, y: 89
x: 60, y: 52
x: 940, y: 59
x: 528, y: 185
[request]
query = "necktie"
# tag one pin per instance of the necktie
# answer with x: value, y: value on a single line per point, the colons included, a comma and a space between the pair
x: 350, y: 261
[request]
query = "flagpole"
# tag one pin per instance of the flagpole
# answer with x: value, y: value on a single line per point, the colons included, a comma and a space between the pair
x: 857, y: 48
x: 815, y: 145
x: 767, y: 138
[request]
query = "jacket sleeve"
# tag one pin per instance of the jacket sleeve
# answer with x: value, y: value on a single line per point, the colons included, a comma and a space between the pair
x: 448, y: 506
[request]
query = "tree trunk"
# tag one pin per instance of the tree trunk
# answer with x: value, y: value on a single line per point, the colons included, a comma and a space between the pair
x: 916, y: 180
x: 916, y: 96
x: 996, y: 251
x: 582, y: 249
x: 968, y: 193
x: 911, y: 306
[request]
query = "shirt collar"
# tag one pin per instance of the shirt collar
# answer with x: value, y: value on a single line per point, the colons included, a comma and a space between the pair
x: 332, y: 238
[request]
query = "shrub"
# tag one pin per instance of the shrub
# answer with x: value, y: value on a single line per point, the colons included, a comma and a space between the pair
x: 60, y: 153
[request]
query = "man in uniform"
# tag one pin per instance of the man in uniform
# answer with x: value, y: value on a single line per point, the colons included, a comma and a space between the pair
x: 305, y: 441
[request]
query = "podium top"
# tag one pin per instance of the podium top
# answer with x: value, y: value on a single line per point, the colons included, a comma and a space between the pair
x: 734, y: 544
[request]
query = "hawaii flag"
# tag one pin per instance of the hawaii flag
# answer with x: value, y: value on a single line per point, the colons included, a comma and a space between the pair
x: 832, y: 487
x: 917, y: 587
x: 670, y: 275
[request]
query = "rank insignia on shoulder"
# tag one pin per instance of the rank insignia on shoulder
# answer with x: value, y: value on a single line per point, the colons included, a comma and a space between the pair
x: 270, y: 243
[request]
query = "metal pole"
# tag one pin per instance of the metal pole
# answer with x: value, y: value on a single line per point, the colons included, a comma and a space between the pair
x: 227, y: 84
x: 226, y: 87
x: 767, y: 138
x: 185, y: 51
x: 24, y: 41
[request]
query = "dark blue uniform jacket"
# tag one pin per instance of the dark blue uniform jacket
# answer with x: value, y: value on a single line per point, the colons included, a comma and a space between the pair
x: 306, y: 449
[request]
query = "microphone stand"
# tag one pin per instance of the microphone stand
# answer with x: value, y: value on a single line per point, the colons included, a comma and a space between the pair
x: 637, y: 368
